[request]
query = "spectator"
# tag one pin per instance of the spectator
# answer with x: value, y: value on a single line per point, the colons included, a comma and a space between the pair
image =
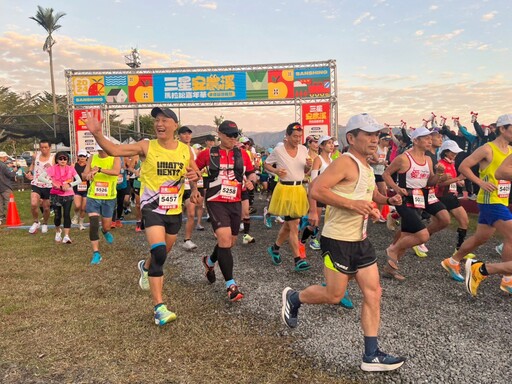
x: 7, y: 176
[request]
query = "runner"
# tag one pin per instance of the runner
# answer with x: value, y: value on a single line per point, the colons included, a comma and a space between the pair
x: 40, y: 195
x: 247, y: 195
x: 378, y: 162
x: 63, y: 178
x: 347, y: 186
x: 80, y: 190
x: 166, y: 162
x: 102, y: 171
x: 227, y: 166
x: 289, y: 198
x: 198, y: 148
x: 415, y: 181
x: 134, y: 169
x: 122, y: 196
x: 492, y: 199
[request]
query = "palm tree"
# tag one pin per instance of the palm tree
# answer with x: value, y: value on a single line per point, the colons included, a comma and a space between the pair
x: 46, y: 19
x: 218, y: 120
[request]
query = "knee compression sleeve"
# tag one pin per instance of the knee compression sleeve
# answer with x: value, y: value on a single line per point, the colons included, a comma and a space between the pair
x: 158, y: 256
x: 94, y: 227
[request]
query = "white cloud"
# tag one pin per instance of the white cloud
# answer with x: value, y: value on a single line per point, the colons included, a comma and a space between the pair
x: 211, y: 5
x: 430, y: 23
x: 360, y: 19
x: 434, y: 7
x: 489, y: 16
x: 445, y: 37
x: 419, y: 33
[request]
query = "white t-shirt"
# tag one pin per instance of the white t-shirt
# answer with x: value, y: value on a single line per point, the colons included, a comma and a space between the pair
x: 294, y: 165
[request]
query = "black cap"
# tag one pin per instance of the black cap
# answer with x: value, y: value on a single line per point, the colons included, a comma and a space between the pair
x: 228, y: 127
x: 184, y: 129
x: 165, y: 111
x: 209, y: 138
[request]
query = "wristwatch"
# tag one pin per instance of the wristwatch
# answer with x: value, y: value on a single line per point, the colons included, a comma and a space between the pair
x: 99, y: 169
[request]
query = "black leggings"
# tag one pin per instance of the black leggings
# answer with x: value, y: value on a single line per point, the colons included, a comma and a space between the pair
x: 66, y: 206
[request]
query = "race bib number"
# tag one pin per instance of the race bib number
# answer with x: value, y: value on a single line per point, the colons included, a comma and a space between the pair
x: 453, y: 188
x: 432, y: 198
x: 200, y: 183
x: 365, y: 227
x: 503, y: 188
x: 82, y: 187
x: 418, y: 199
x: 168, y: 198
x: 101, y: 188
x: 229, y: 189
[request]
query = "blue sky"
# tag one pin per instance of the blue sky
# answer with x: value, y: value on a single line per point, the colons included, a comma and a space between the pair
x: 396, y: 59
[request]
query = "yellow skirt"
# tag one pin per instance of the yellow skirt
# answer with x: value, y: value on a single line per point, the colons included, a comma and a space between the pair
x: 289, y: 200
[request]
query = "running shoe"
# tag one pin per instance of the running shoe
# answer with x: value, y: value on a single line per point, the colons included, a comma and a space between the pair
x: 248, y: 239
x: 470, y: 256
x: 66, y: 240
x: 302, y: 250
x: 302, y: 265
x: 81, y: 227
x: 393, y: 221
x: 473, y: 276
x: 143, y: 279
x: 419, y: 252
x: 113, y: 225
x: 276, y: 257
x: 346, y: 302
x: 453, y: 270
x: 34, y: 227
x: 472, y: 197
x: 127, y: 210
x: 119, y: 224
x: 58, y: 236
x: 289, y: 312
x: 304, y: 222
x: 279, y: 220
x: 381, y: 362
x: 234, y: 294
x: 44, y: 228
x: 252, y: 210
x: 506, y: 286
x: 423, y: 248
x: 209, y: 272
x: 108, y: 237
x: 138, y: 226
x: 267, y: 218
x: 199, y: 227
x: 391, y: 273
x: 499, y: 249
x: 96, y: 258
x: 163, y: 315
x: 189, y: 245
x: 74, y: 220
x: 314, y: 245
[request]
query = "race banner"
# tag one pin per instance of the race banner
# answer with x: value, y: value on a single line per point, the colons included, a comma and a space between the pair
x: 316, y: 119
x: 84, y: 139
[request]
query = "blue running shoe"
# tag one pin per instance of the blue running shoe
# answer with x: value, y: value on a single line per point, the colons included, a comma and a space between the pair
x: 314, y: 245
x: 266, y: 218
x: 108, y: 237
x: 96, y: 258
x: 164, y: 316
x: 302, y: 265
x: 346, y: 302
x: 381, y: 362
x: 276, y: 257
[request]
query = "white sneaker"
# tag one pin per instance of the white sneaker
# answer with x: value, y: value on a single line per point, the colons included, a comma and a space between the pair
x: 423, y: 248
x: 44, y: 228
x: 189, y: 245
x: 66, y: 240
x: 34, y: 227
x: 248, y: 239
x: 58, y: 236
x: 279, y: 220
x: 82, y: 227
x: 74, y: 220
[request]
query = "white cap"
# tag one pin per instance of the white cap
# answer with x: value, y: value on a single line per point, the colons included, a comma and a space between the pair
x: 336, y: 144
x: 3, y: 154
x: 82, y: 152
x: 504, y: 120
x: 364, y: 122
x: 244, y: 139
x: 419, y: 132
x: 451, y: 146
x: 324, y: 139
x: 197, y: 146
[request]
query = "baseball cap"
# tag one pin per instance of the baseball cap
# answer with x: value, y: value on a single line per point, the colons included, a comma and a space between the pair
x: 324, y: 139
x: 209, y: 138
x: 504, y: 120
x: 228, y: 127
x: 244, y: 140
x: 165, y: 111
x: 184, y: 129
x: 82, y: 152
x: 385, y: 136
x: 197, y: 146
x: 451, y: 146
x: 3, y: 154
x: 364, y: 122
x: 419, y: 132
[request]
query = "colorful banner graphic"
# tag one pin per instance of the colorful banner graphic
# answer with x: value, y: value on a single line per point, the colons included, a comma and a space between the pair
x: 84, y: 139
x: 316, y: 119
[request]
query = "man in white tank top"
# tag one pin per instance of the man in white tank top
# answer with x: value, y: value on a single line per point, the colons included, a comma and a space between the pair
x: 416, y: 181
x: 40, y: 195
x: 347, y: 186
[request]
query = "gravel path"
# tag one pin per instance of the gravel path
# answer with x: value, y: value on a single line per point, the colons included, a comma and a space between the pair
x: 447, y: 336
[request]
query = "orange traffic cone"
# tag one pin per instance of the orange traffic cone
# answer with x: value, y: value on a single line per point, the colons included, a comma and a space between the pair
x: 13, y: 217
x: 385, y: 211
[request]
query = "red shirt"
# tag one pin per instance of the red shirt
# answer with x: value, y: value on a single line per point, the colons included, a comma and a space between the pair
x: 225, y: 188
x: 449, y: 169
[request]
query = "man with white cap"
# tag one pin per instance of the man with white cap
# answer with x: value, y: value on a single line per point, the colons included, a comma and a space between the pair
x: 492, y: 199
x: 347, y: 187
x: 416, y: 181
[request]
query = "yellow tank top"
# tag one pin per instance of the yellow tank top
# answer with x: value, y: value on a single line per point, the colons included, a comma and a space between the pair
x: 103, y: 187
x: 162, y: 178
x: 499, y: 196
x: 344, y: 224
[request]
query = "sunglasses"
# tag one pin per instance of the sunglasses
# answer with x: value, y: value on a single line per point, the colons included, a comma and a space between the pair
x: 82, y: 156
x: 62, y: 158
x: 232, y: 135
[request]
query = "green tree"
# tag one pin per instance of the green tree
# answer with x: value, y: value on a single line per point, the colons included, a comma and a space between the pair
x: 48, y: 20
x: 218, y: 120
x: 146, y: 127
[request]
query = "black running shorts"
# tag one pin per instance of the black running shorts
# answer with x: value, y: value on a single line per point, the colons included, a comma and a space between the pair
x: 225, y: 215
x: 172, y: 223
x: 347, y: 256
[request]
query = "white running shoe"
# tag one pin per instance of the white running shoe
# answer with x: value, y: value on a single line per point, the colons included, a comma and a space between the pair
x: 423, y: 248
x: 44, y: 228
x: 279, y: 220
x: 248, y: 239
x: 34, y: 227
x: 82, y: 227
x: 58, y: 236
x: 143, y: 279
x: 66, y: 240
x: 189, y: 245
x: 74, y: 220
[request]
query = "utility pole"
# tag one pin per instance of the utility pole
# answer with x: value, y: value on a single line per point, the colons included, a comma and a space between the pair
x: 133, y: 61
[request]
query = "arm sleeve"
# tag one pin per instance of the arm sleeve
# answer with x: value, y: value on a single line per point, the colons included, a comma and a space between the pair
x: 77, y: 180
x: 44, y: 178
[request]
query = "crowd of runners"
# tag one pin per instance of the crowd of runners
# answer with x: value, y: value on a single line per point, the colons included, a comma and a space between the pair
x: 411, y: 180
